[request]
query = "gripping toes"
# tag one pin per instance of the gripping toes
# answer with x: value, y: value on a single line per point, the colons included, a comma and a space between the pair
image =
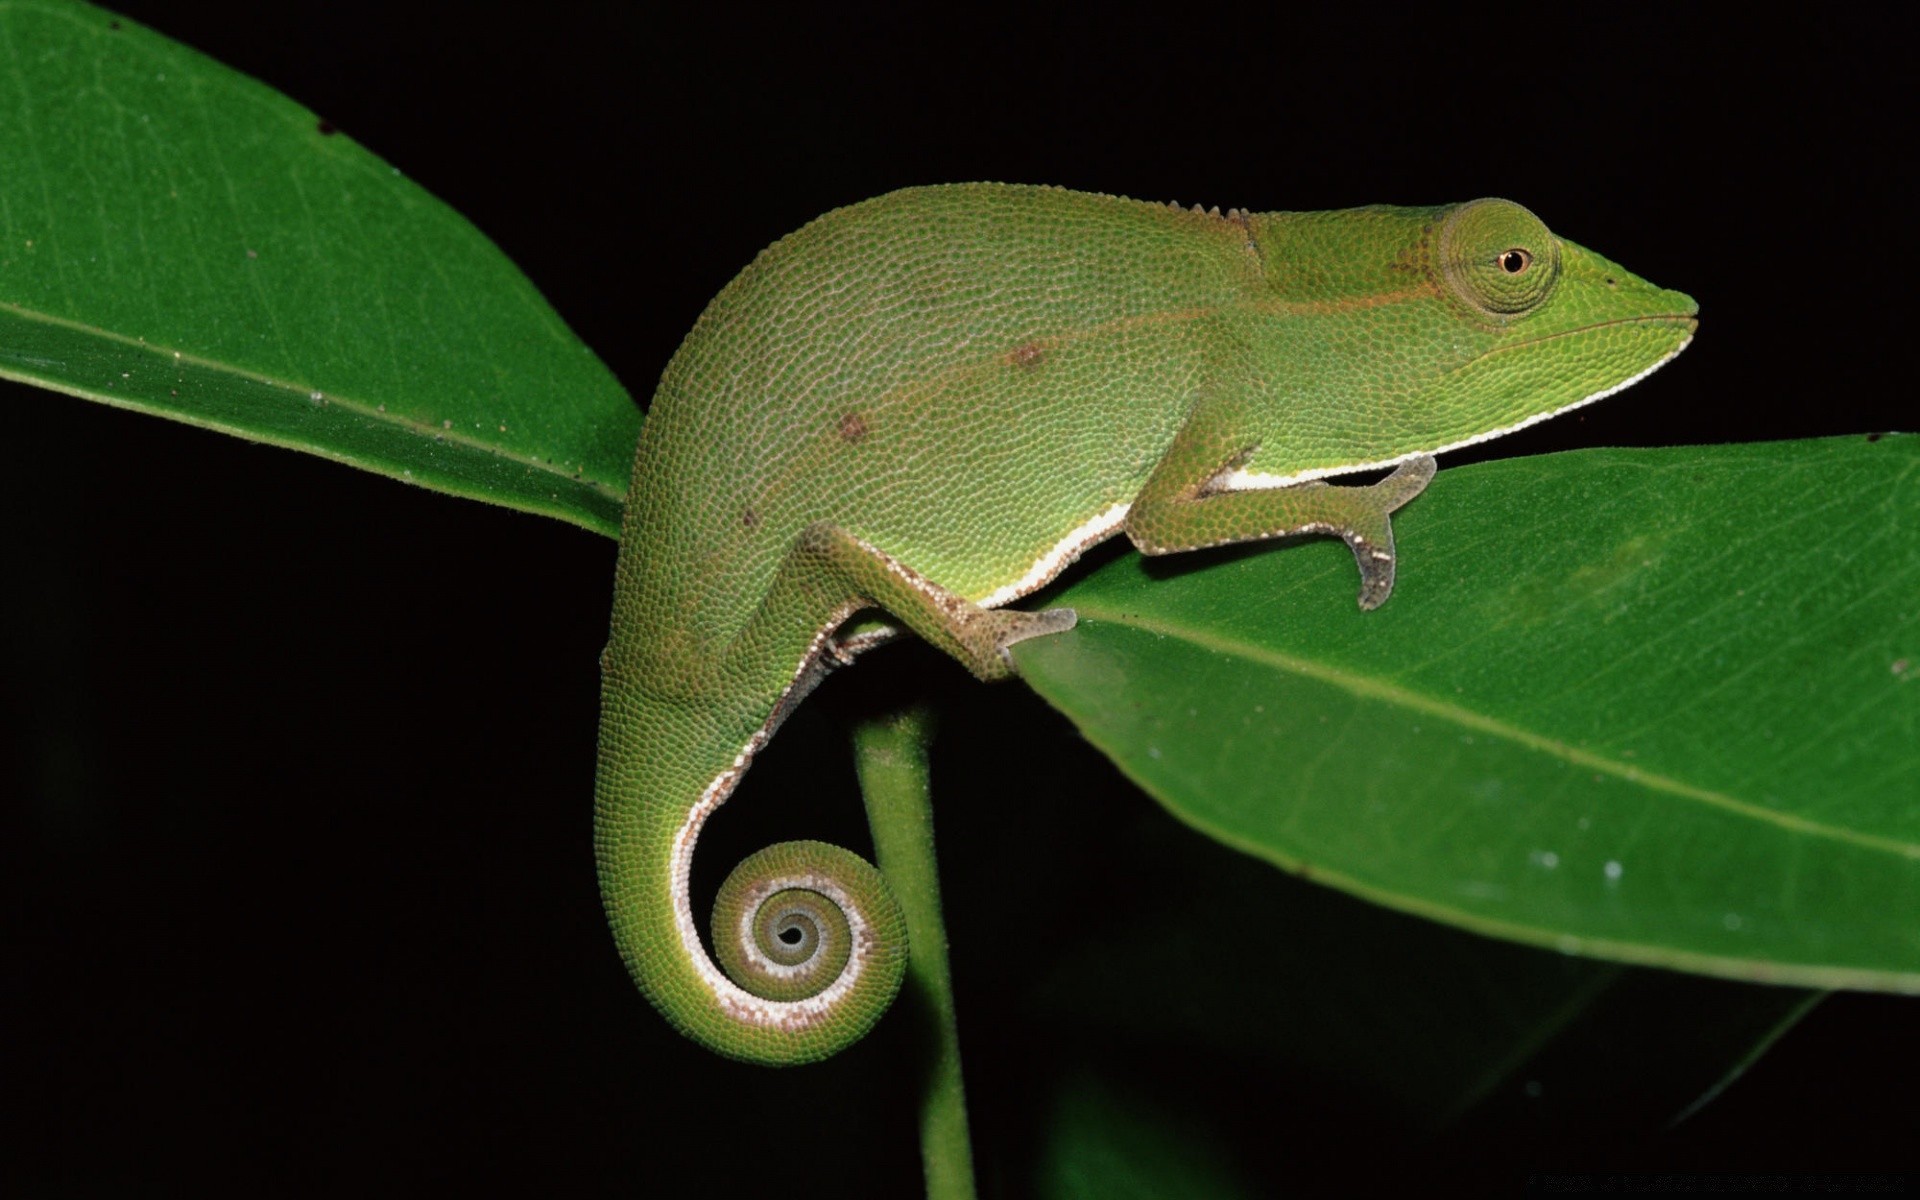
x: 1369, y: 533
x: 1019, y: 626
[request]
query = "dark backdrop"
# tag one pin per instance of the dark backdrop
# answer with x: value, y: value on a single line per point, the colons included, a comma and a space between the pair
x: 298, y: 761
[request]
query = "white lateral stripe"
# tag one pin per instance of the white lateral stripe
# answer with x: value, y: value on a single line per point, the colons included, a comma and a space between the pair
x: 1055, y: 560
x: 1249, y: 480
x: 738, y: 1003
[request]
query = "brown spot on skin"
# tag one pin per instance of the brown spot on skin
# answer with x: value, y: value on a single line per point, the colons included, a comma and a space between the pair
x: 326, y: 128
x: 1028, y: 355
x: 749, y: 518
x: 853, y: 427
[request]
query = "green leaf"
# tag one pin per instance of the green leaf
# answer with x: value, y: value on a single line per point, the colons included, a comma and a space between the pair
x: 1654, y: 706
x: 179, y: 239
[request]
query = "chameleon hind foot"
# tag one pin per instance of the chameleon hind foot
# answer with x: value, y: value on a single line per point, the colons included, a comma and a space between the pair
x: 828, y: 570
x: 1017, y: 626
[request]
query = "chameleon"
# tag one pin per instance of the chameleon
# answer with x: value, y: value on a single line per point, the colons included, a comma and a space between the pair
x: 923, y: 406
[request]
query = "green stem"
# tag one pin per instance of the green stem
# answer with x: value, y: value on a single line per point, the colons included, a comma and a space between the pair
x: 891, y: 755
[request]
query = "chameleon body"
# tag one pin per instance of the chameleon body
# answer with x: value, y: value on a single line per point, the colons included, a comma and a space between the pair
x: 930, y: 403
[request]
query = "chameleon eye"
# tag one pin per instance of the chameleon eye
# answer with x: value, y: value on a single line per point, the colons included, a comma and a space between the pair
x: 1498, y: 258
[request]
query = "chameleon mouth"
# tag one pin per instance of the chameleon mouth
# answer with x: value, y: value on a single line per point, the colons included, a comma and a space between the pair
x: 1684, y: 320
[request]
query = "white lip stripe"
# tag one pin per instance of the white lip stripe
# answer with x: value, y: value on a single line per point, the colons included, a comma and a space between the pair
x: 1248, y: 480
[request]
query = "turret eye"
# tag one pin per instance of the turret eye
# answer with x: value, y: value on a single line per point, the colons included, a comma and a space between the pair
x: 1498, y: 258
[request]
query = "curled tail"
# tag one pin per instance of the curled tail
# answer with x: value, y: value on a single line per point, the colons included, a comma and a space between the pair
x: 811, y: 937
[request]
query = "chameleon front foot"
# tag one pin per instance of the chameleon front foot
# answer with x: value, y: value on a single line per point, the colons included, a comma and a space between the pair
x: 1178, y: 510
x: 1369, y: 533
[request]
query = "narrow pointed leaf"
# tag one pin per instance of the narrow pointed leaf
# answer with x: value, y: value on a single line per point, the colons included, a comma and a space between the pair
x: 1655, y: 706
x: 179, y: 239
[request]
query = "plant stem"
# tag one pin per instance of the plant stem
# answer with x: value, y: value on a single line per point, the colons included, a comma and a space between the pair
x: 891, y: 756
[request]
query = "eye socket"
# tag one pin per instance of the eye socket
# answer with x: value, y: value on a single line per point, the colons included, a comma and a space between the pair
x: 1498, y: 258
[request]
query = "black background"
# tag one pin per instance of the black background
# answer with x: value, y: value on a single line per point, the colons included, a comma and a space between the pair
x: 300, y: 758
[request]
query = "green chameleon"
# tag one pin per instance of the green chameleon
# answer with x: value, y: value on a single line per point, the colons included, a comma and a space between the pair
x: 931, y: 403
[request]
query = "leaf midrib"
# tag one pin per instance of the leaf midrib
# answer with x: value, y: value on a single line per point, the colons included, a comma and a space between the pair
x: 360, y: 408
x: 1370, y: 688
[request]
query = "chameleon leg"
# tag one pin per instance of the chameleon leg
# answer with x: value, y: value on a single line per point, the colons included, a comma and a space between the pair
x: 829, y: 573
x: 1185, y: 506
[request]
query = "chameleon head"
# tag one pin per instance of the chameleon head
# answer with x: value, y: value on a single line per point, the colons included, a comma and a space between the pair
x: 1538, y: 324
x: 1427, y: 329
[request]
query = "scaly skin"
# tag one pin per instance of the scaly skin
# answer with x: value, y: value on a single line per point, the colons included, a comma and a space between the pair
x: 929, y: 403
